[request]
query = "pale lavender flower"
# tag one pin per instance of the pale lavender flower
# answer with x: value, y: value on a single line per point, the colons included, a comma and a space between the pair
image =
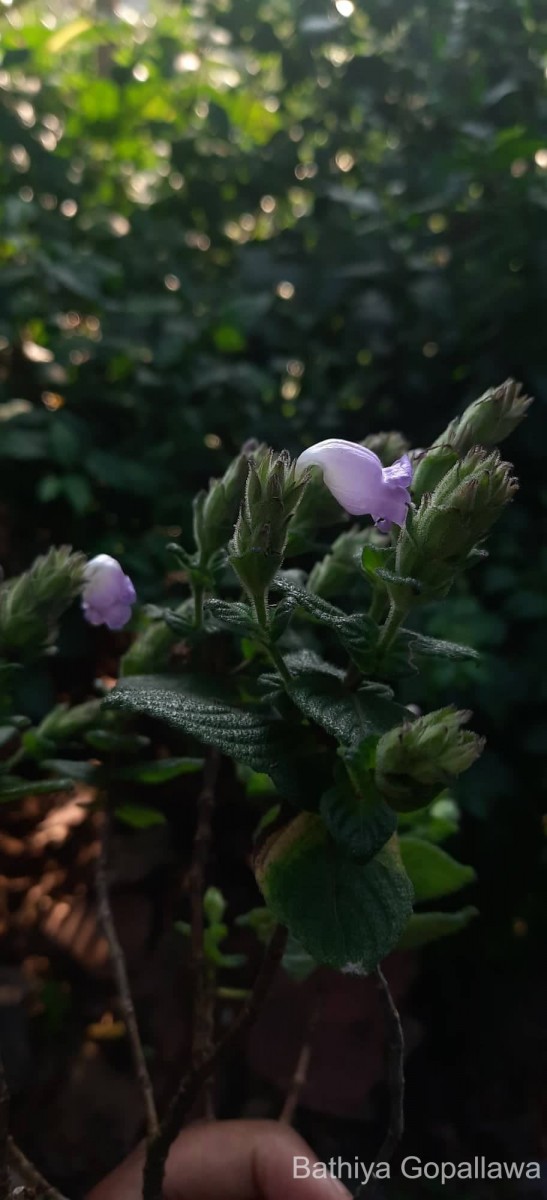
x: 358, y: 481
x: 107, y: 593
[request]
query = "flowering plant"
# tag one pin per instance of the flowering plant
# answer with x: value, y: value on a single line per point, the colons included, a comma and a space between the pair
x: 291, y: 665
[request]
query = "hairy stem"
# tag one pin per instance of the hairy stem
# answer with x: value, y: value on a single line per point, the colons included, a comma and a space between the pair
x: 192, y: 1083
x: 122, y: 983
x: 197, y: 592
x: 377, y: 605
x: 203, y: 990
x: 390, y: 627
x: 261, y: 610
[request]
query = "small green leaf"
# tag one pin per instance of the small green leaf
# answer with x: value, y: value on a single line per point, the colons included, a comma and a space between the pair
x: 360, y: 824
x: 345, y: 914
x: 429, y: 927
x: 349, y: 716
x: 298, y: 964
x: 161, y: 770
x: 116, y: 743
x: 83, y: 772
x: 138, y: 816
x: 12, y: 787
x: 430, y: 647
x: 374, y: 557
x: 432, y: 871
x: 237, y: 617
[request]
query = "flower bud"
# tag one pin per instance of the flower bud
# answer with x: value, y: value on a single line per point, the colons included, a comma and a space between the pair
x: 31, y: 604
x: 335, y: 574
x: 451, y: 521
x: 215, y: 511
x: 388, y: 446
x: 416, y: 759
x: 154, y: 643
x: 359, y: 482
x: 489, y: 420
x: 108, y: 593
x: 272, y: 495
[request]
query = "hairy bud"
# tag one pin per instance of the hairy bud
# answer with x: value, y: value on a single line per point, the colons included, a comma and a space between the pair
x: 416, y: 759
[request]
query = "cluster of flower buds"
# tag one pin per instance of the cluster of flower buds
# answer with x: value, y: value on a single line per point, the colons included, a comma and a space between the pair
x: 415, y: 760
x: 450, y: 522
x: 272, y: 494
x: 32, y: 603
x: 489, y: 420
x: 486, y: 422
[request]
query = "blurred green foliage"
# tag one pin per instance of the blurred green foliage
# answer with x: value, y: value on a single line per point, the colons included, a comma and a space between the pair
x: 281, y: 219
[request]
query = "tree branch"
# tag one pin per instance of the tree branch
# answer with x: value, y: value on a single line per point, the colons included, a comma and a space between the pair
x: 32, y: 1179
x: 203, y: 989
x: 193, y: 1081
x: 122, y: 983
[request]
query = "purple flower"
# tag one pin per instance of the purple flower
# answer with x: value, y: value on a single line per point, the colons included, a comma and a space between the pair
x: 359, y: 482
x: 107, y: 594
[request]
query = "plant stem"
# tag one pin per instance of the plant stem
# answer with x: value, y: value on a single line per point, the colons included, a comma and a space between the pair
x: 197, y: 592
x: 377, y: 605
x: 203, y: 991
x: 192, y: 1083
x: 395, y: 1078
x: 4, y: 1132
x: 261, y: 610
x: 122, y: 983
x: 389, y: 629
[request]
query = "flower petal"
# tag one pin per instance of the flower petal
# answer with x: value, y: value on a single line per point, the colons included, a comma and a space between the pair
x: 352, y: 473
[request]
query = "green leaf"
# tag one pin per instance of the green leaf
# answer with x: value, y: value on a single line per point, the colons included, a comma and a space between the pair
x: 360, y: 824
x: 298, y: 964
x: 429, y: 927
x: 432, y: 871
x: 430, y: 647
x: 348, y: 716
x: 345, y: 914
x: 83, y: 772
x: 138, y: 816
x: 237, y: 617
x: 12, y: 787
x: 374, y: 557
x: 116, y: 743
x: 201, y: 707
x: 161, y: 770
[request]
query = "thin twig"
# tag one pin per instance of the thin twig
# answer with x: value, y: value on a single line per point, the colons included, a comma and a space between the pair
x: 203, y: 977
x: 122, y: 983
x: 191, y: 1085
x: 298, y: 1081
x: 4, y: 1133
x: 395, y: 1079
x: 25, y: 1169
